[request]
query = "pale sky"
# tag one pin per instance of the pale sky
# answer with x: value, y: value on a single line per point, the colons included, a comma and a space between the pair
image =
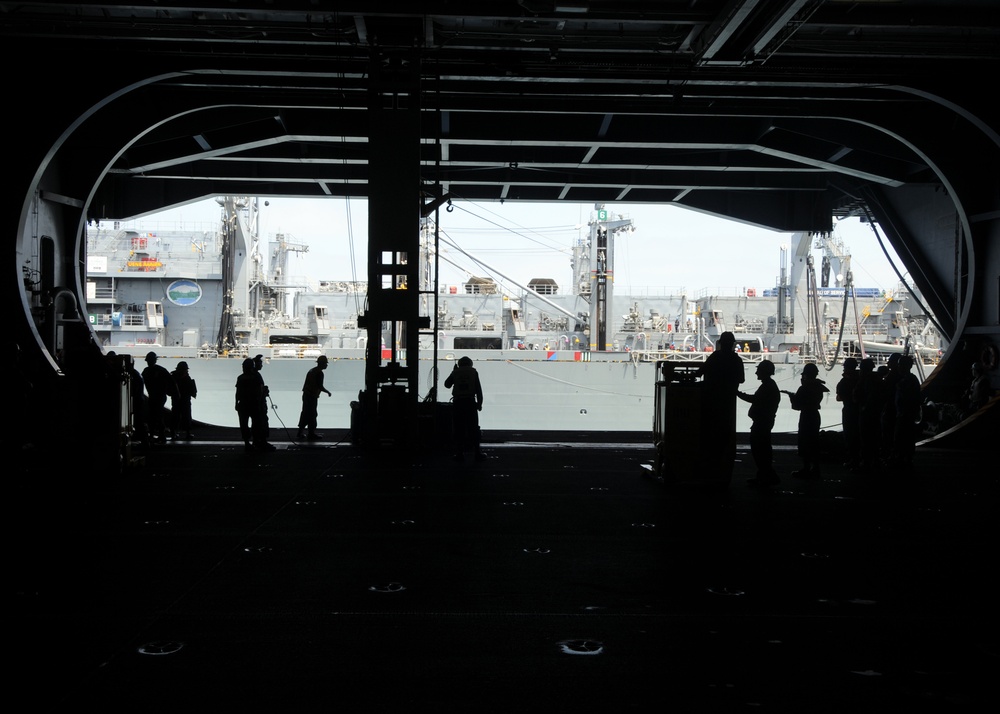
x: 670, y: 248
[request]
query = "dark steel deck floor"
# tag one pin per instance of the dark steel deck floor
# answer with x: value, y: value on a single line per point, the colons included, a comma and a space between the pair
x: 552, y: 577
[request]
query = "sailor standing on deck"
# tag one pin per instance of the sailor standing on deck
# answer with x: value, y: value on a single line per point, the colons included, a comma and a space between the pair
x: 806, y: 400
x: 850, y: 411
x: 180, y: 403
x: 159, y: 385
x: 763, y: 407
x: 311, y: 390
x: 259, y: 419
x: 247, y: 401
x: 722, y: 374
x: 467, y: 402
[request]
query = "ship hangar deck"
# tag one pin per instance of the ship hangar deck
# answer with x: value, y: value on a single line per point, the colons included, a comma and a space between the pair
x: 555, y: 576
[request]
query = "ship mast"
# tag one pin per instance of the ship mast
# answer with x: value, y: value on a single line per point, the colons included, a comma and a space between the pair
x: 602, y: 271
x: 278, y: 278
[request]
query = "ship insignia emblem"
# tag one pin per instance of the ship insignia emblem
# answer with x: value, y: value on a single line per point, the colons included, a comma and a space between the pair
x: 184, y: 292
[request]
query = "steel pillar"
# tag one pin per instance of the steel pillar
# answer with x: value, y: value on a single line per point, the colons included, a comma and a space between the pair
x: 392, y: 320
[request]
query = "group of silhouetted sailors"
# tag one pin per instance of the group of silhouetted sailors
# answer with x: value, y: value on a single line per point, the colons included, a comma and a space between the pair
x: 881, y: 411
x: 153, y: 424
x: 150, y: 389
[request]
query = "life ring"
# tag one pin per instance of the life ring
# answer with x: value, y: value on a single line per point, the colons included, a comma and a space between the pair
x: 989, y: 357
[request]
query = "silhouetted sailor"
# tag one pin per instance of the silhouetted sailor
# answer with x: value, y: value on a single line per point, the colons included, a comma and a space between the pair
x: 806, y: 400
x: 159, y: 385
x: 180, y: 404
x: 866, y: 398
x: 467, y: 402
x: 763, y: 407
x: 907, y: 403
x: 247, y: 401
x: 722, y: 374
x: 887, y: 406
x: 849, y: 411
x: 311, y: 389
x: 260, y: 422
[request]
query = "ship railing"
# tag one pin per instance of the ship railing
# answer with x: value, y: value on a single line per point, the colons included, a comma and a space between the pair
x: 109, y: 321
x: 105, y: 292
x: 672, y: 355
x: 297, y: 351
x: 729, y: 291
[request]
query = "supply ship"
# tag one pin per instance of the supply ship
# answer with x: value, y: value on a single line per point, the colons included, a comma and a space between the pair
x: 550, y: 357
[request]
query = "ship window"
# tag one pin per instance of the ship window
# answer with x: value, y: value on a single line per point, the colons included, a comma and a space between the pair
x: 294, y: 340
x: 478, y: 343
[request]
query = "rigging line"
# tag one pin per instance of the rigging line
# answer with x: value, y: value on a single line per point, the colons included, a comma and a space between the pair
x: 448, y: 240
x: 843, y: 322
x: 350, y: 246
x: 350, y: 222
x: 857, y: 317
x: 547, y: 378
x: 506, y: 228
x: 913, y: 294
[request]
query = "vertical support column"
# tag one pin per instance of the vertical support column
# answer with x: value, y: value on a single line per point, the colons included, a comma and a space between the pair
x: 389, y: 403
x: 598, y: 289
x: 602, y: 277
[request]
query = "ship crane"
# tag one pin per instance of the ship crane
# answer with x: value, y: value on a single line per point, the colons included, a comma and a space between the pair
x: 836, y: 260
x: 239, y: 246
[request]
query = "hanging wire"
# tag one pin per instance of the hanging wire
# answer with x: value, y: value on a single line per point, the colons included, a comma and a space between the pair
x: 902, y: 280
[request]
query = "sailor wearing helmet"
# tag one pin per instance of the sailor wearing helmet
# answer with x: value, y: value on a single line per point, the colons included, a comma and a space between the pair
x: 763, y: 406
x: 311, y: 389
x: 807, y: 400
